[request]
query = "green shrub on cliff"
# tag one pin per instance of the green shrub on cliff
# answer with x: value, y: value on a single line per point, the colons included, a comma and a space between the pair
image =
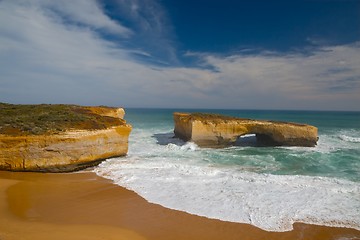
x: 49, y: 119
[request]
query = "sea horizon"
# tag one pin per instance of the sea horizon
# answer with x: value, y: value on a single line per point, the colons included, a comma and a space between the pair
x: 235, y: 109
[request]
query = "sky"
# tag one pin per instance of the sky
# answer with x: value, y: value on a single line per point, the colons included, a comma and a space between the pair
x: 215, y: 54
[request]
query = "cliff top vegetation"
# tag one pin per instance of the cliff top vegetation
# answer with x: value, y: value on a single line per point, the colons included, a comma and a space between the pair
x: 218, y: 118
x: 16, y: 120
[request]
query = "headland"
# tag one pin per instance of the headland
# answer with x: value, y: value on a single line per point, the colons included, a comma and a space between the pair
x: 60, y: 138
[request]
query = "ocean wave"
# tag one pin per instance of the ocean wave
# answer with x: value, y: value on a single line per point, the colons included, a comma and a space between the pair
x: 189, y: 146
x: 332, y: 142
x: 239, y: 183
x: 270, y: 202
x: 350, y: 139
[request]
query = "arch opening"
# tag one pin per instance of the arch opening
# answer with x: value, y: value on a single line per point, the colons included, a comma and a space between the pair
x: 255, y: 140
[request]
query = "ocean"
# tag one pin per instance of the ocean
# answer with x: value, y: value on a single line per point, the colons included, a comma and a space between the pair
x: 268, y: 187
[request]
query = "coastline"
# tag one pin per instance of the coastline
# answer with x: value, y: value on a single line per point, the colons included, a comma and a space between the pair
x: 83, y: 205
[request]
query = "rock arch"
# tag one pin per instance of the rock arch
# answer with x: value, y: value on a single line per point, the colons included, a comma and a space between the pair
x: 211, y: 130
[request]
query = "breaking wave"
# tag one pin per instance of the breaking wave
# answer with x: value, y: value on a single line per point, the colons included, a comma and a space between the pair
x: 227, y: 184
x: 270, y: 202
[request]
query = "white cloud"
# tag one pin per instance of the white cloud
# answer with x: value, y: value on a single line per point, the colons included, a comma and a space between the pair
x: 153, y: 27
x: 84, y: 12
x: 44, y: 59
x: 88, y: 13
x: 330, y: 74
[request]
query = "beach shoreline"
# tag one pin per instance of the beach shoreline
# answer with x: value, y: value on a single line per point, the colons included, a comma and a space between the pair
x: 85, y: 206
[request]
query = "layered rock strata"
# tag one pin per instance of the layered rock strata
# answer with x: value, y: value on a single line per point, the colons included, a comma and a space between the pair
x: 71, y: 150
x: 210, y: 130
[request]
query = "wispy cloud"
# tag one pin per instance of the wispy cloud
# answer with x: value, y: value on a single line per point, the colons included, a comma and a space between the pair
x: 49, y: 53
x: 154, y: 33
x: 293, y: 80
x: 77, y: 13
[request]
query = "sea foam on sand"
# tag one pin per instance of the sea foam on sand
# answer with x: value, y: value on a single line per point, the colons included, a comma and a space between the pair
x: 270, y: 202
x: 181, y: 176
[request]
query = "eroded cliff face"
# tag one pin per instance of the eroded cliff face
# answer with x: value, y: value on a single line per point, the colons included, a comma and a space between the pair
x: 210, y: 130
x: 107, y: 111
x: 71, y: 150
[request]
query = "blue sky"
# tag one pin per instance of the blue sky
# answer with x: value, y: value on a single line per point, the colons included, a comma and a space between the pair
x: 272, y: 25
x: 182, y: 54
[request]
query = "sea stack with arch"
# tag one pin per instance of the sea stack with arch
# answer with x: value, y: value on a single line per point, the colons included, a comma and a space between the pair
x: 213, y: 130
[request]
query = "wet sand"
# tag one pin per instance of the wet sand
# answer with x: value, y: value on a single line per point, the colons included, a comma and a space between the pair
x: 85, y: 206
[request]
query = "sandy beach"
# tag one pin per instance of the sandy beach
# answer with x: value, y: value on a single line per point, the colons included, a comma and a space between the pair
x: 85, y: 206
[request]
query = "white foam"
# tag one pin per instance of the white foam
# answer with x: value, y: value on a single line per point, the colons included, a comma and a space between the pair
x: 189, y: 146
x: 248, y: 135
x: 350, y: 139
x: 267, y: 201
x: 182, y: 176
x: 332, y: 142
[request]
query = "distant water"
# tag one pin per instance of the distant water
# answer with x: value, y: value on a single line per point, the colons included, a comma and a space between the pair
x: 269, y: 187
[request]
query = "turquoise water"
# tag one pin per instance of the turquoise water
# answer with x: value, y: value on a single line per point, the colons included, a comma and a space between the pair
x: 337, y: 154
x: 269, y: 187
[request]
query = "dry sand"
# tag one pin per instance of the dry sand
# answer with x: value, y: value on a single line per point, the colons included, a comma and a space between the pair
x: 85, y: 206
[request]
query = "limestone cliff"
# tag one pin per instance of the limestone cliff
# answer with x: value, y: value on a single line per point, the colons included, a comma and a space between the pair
x: 100, y: 133
x: 107, y: 111
x: 209, y: 130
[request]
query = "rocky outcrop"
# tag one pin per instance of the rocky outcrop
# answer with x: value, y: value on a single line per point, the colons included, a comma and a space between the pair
x: 210, y: 130
x: 107, y: 111
x: 66, y: 151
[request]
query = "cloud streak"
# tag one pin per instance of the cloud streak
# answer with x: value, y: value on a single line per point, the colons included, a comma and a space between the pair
x: 154, y: 32
x: 50, y: 53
